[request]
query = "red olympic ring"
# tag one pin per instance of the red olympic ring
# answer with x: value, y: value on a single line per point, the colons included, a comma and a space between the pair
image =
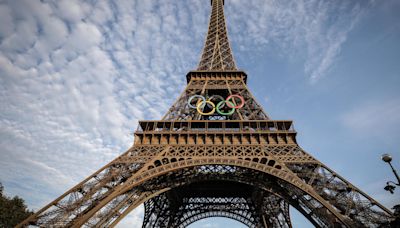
x: 229, y: 104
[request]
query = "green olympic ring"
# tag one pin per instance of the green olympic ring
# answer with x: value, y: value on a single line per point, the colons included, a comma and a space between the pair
x: 222, y: 103
x: 202, y: 102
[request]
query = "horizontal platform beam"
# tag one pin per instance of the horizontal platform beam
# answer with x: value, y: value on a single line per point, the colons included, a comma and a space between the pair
x: 202, y: 138
x: 257, y: 126
x: 216, y: 75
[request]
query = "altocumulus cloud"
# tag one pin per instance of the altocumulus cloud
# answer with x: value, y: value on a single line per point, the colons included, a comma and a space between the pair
x: 75, y: 76
x: 313, y: 30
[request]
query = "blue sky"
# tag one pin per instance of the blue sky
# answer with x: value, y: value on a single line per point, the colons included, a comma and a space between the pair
x: 76, y: 76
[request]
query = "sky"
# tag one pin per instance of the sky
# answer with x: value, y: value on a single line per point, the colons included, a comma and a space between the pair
x: 76, y: 76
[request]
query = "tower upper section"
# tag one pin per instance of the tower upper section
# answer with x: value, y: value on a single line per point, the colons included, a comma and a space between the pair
x: 217, y: 53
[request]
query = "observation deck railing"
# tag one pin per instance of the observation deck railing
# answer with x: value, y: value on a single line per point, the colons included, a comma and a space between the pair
x: 256, y: 126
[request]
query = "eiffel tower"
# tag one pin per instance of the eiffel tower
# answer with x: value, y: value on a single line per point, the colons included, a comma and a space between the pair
x: 215, y: 153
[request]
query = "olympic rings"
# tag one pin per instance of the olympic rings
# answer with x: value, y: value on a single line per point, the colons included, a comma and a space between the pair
x: 202, y: 102
x: 214, y: 97
x: 237, y: 106
x: 208, y: 113
x: 225, y: 113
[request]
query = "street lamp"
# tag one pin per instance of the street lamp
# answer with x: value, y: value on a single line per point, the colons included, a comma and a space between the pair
x: 390, y: 185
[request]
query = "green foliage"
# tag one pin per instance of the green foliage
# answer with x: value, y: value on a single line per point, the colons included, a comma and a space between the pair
x: 12, y: 210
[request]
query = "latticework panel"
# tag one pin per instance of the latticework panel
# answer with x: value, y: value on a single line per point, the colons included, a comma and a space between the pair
x: 194, y: 209
x: 217, y: 54
x: 185, y: 205
x: 213, y: 90
x: 349, y: 200
x: 147, y: 171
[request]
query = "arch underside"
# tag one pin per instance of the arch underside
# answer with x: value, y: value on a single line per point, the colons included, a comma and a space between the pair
x: 147, y: 173
x: 266, y: 188
x: 267, y: 185
x: 267, y: 198
x: 184, y: 205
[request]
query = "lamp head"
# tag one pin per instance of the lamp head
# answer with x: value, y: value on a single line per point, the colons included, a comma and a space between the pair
x: 386, y: 158
x: 390, y: 188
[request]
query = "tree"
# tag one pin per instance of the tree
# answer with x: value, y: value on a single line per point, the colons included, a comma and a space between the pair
x: 12, y: 210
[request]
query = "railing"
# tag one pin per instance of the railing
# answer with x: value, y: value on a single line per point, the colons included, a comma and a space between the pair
x: 216, y: 126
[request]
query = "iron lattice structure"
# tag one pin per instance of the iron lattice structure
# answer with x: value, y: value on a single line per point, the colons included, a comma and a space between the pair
x: 196, y: 163
x: 217, y: 54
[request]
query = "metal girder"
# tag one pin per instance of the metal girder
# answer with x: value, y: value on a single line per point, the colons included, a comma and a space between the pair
x: 221, y: 84
x: 183, y: 164
x: 193, y: 202
x: 217, y: 54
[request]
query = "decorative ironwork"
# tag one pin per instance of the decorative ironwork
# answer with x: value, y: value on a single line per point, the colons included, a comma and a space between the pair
x: 217, y: 54
x: 224, y: 84
x: 190, y: 166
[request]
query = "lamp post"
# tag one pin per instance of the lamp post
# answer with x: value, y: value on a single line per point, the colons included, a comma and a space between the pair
x: 390, y: 185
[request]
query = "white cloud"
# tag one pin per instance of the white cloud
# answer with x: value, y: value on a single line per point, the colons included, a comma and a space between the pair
x: 373, y: 116
x: 133, y: 219
x: 75, y: 78
x: 314, y: 30
x: 7, y: 22
x: 71, y: 11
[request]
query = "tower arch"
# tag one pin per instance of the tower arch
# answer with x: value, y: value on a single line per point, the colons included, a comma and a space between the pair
x: 266, y: 181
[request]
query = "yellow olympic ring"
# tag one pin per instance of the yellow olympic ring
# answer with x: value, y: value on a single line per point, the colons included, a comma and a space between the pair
x: 199, y: 106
